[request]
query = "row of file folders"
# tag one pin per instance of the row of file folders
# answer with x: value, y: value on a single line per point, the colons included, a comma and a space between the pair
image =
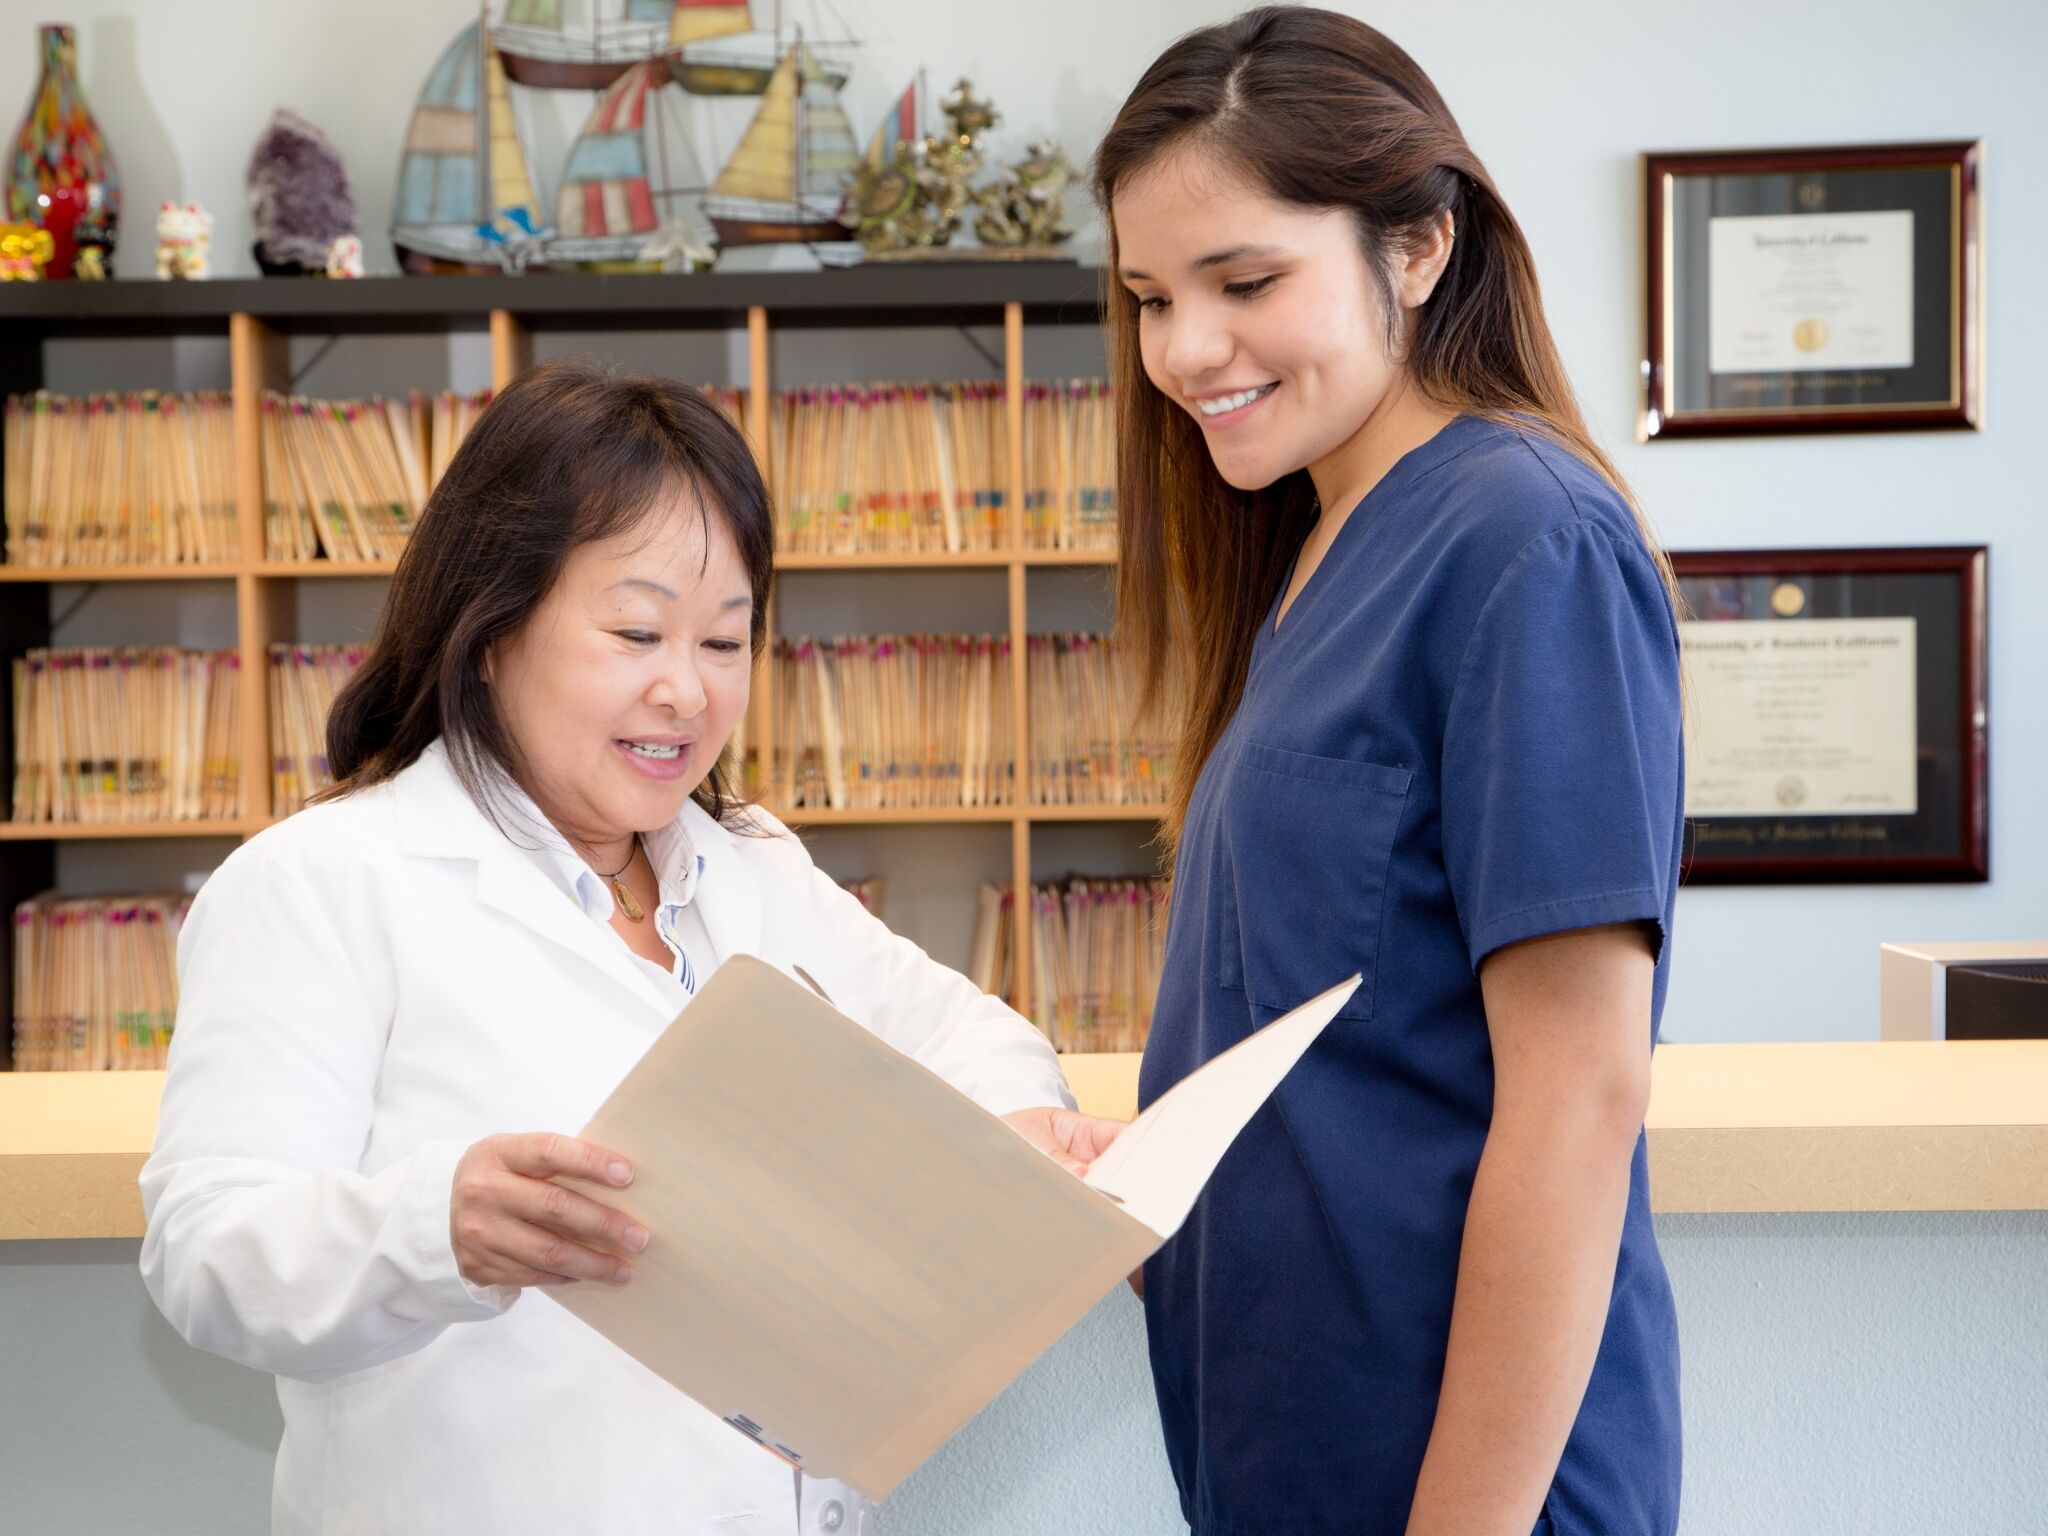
x: 1096, y: 947
x: 95, y: 978
x: 149, y: 478
x: 153, y: 733
x: 876, y: 722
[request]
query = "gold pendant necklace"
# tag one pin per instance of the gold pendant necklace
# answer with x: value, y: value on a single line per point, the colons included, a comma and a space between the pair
x: 633, y: 910
x: 626, y: 902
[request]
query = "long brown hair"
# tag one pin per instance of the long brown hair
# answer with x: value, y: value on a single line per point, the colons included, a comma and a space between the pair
x: 1316, y: 109
x: 570, y: 452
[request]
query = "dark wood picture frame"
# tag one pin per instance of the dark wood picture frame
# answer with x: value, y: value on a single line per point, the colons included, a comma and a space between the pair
x: 1948, y: 838
x: 1684, y: 400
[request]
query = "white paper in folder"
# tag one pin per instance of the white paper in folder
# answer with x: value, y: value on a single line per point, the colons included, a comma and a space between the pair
x: 848, y: 1257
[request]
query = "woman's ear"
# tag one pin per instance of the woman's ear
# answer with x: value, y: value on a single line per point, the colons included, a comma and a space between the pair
x: 1425, y: 262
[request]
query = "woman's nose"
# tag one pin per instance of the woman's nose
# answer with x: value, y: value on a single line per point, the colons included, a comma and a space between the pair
x: 680, y: 689
x: 1196, y: 345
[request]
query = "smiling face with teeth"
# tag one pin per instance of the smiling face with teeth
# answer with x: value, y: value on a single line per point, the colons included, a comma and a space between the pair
x: 1260, y: 319
x: 622, y: 689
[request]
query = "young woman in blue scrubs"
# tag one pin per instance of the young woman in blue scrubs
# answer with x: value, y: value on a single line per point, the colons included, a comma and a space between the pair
x: 1431, y: 736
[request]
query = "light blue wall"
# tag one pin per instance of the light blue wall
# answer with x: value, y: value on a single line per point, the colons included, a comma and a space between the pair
x: 1853, y: 1375
x: 1843, y: 1376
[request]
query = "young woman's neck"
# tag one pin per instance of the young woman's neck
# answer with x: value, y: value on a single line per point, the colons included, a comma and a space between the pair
x: 1402, y: 421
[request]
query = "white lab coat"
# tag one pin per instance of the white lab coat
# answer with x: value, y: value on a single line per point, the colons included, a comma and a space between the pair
x: 371, y: 986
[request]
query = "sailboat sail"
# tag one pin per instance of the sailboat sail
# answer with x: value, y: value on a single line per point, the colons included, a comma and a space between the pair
x: 899, y: 123
x: 437, y: 177
x: 698, y: 21
x: 828, y: 149
x: 764, y: 165
x: 511, y: 180
x: 617, y: 201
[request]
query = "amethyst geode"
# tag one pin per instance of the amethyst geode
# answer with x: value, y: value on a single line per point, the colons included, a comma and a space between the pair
x: 299, y: 198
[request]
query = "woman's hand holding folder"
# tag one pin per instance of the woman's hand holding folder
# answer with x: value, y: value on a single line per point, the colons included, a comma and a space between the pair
x: 512, y: 1225
x: 1068, y: 1137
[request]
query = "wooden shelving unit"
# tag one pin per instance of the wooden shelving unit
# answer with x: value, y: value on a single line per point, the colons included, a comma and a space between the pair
x: 257, y: 317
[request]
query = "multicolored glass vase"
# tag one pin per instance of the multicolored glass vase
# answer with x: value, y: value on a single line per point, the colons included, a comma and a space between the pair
x: 60, y: 174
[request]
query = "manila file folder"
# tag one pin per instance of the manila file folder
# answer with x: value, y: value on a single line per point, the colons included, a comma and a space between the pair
x: 848, y: 1257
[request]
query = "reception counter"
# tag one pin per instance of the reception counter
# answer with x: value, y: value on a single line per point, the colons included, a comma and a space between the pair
x: 1878, y: 1126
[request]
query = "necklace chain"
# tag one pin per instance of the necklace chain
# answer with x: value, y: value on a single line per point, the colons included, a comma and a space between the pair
x: 632, y: 848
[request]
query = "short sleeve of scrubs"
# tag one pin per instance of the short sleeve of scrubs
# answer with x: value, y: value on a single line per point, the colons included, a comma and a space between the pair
x: 1560, y: 763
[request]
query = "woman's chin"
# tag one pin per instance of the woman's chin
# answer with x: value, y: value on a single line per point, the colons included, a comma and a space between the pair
x: 1247, y: 477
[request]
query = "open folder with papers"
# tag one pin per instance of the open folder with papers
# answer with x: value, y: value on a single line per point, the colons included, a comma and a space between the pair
x: 848, y: 1256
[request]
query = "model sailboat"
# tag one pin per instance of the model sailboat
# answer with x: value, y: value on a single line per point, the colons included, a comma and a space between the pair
x: 786, y: 179
x: 463, y: 164
x: 615, y: 195
x: 467, y: 198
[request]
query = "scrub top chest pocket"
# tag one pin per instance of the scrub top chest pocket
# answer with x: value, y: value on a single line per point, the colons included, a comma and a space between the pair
x: 1302, y: 874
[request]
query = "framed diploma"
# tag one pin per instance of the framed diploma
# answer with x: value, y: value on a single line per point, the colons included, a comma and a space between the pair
x: 1814, y: 290
x: 1835, y: 715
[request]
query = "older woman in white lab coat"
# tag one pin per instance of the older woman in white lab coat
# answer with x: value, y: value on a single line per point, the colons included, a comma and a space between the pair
x: 398, y: 1004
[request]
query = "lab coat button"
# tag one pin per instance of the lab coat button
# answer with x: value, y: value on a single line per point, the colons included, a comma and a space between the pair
x: 832, y: 1516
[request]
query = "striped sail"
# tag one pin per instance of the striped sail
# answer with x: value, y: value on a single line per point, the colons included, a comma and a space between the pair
x: 899, y: 122
x: 604, y: 184
x: 438, y: 177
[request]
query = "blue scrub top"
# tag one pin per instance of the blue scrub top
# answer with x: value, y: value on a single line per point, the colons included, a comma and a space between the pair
x: 1464, y: 734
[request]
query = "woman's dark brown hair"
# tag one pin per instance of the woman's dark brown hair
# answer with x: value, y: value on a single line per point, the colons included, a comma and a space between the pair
x: 569, y: 453
x: 1320, y: 110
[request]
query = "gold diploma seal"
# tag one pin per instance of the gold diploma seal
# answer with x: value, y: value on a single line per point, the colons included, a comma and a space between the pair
x: 1809, y: 335
x: 1787, y: 600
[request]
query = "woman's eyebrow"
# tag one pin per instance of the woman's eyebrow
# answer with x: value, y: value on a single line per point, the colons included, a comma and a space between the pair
x: 1213, y: 259
x: 641, y: 581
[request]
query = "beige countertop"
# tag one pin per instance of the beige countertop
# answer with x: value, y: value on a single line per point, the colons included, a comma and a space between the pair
x: 1865, y: 1126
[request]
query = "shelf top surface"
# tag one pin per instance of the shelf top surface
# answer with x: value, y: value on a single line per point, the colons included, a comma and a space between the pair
x: 937, y: 292
x: 1821, y: 1086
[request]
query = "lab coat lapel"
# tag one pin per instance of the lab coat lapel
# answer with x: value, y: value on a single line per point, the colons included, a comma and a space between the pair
x: 732, y: 905
x: 437, y: 819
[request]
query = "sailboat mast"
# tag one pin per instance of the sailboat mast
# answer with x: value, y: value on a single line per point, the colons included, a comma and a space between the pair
x: 796, y: 138
x: 483, y: 111
x: 663, y: 195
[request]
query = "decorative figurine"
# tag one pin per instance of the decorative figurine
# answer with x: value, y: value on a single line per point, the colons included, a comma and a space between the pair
x: 675, y: 248
x: 61, y: 175
x: 24, y: 252
x: 183, y: 236
x: 912, y: 200
x: 1027, y: 204
x: 91, y: 265
x: 299, y: 198
x: 907, y: 205
x: 345, y: 256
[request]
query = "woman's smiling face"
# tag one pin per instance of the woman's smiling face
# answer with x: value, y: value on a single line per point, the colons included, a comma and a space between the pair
x: 624, y: 686
x: 1258, y: 317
